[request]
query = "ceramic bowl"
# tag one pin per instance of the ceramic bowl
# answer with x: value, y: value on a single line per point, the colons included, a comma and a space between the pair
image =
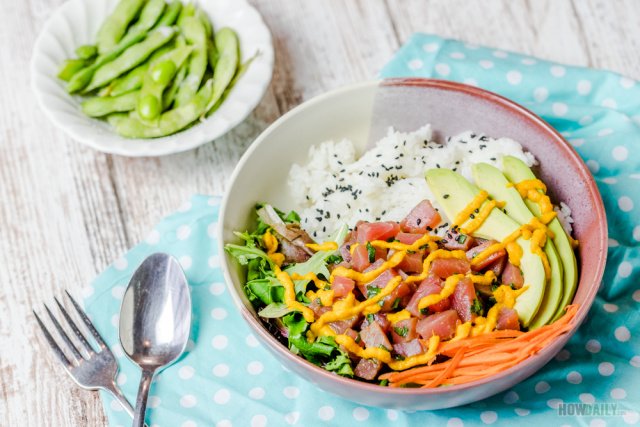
x: 76, y: 22
x: 450, y: 108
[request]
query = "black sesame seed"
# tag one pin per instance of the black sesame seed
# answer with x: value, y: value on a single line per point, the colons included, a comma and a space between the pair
x: 445, y: 196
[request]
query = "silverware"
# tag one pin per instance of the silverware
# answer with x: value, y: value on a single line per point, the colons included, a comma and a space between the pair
x: 155, y: 320
x: 90, y: 369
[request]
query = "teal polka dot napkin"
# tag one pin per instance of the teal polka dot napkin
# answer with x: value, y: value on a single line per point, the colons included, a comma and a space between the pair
x: 227, y: 379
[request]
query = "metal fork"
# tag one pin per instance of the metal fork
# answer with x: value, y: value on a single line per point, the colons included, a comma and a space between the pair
x: 89, y: 369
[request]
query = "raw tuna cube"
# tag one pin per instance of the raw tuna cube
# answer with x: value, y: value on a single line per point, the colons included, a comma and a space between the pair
x: 341, y: 326
x: 370, y: 231
x: 360, y: 258
x: 354, y: 336
x: 454, y: 241
x: 346, y: 246
x: 421, y: 219
x: 412, y: 263
x: 442, y: 324
x: 379, y: 318
x: 409, y: 348
x: 471, y: 253
x: 374, y: 337
x: 408, y: 238
x: 463, y: 300
x: 498, y: 266
x: 512, y: 276
x: 404, y: 330
x: 379, y: 282
x: 342, y: 286
x: 508, y: 319
x: 429, y: 286
x: 445, y: 267
x: 399, y: 297
x: 368, y: 369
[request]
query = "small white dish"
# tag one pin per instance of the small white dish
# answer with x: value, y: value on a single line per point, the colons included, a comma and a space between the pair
x: 76, y: 22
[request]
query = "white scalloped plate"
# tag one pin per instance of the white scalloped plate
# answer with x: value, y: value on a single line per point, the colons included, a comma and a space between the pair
x: 76, y: 22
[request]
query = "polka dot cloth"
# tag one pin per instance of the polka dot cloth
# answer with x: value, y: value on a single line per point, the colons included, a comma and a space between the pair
x: 227, y: 379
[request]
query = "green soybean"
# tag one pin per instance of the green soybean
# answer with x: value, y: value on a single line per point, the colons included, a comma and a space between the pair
x: 169, y: 95
x: 188, y: 10
x: 114, y: 27
x: 149, y: 16
x: 227, y: 47
x: 130, y: 81
x: 171, y: 14
x: 86, y: 51
x: 102, y: 106
x: 196, y: 34
x: 70, y: 67
x: 159, y: 76
x: 82, y: 78
x: 131, y: 57
x: 170, y: 121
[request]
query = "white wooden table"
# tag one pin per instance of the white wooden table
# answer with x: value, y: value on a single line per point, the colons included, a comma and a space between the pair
x: 68, y: 211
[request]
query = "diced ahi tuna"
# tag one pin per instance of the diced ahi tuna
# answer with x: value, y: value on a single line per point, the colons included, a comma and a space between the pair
x: 429, y: 286
x: 445, y: 267
x: 463, y: 299
x: 497, y: 266
x: 351, y: 333
x: 368, y: 369
x: 421, y: 218
x: 455, y: 241
x: 318, y: 308
x: 379, y: 318
x: 342, y: 286
x: 443, y: 324
x: 370, y: 231
x: 408, y: 238
x: 399, y: 297
x: 404, y: 330
x: 409, y: 348
x: 349, y: 240
x: 374, y: 337
x: 473, y: 252
x: 412, y: 263
x: 512, y: 276
x: 379, y: 282
x: 508, y: 319
x: 360, y: 258
x: 341, y: 326
x: 380, y: 253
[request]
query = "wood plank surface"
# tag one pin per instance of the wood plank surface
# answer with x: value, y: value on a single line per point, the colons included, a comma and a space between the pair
x: 67, y: 211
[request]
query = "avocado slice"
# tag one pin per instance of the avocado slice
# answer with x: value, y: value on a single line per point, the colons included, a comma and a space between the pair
x: 454, y: 193
x: 517, y: 171
x: 491, y: 179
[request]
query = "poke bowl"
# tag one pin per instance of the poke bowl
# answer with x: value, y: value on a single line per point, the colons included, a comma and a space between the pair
x: 412, y: 243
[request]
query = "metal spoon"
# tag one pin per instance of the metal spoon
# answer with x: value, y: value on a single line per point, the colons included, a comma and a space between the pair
x: 155, y: 320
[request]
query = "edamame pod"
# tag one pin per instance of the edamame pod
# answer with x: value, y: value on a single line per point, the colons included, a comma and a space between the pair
x: 170, y: 94
x: 131, y: 57
x: 101, y: 106
x: 114, y: 27
x: 156, y: 80
x: 130, y: 81
x: 150, y: 14
x: 86, y: 51
x: 227, y: 47
x: 196, y: 34
x: 70, y: 67
x: 170, y: 121
x: 171, y: 14
x: 188, y: 10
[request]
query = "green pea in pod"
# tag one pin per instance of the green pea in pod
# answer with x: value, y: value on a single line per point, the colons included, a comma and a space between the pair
x: 159, y: 76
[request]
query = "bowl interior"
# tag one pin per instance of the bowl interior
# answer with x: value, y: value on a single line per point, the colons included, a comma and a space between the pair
x: 451, y: 108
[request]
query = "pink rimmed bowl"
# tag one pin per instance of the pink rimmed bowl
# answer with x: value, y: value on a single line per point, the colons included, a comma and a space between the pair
x: 355, y: 112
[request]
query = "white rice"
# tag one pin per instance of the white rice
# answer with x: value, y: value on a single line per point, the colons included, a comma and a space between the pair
x: 336, y: 186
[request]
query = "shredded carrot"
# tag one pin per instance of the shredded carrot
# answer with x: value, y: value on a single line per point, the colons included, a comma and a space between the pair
x: 448, y: 370
x: 479, y: 357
